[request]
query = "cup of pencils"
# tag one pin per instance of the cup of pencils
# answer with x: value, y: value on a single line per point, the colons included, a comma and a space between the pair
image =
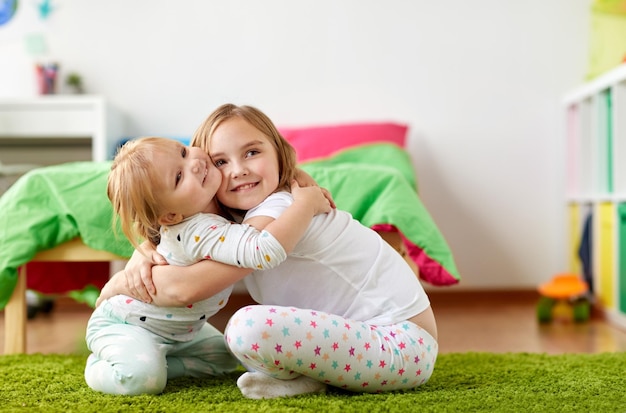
x: 46, y: 77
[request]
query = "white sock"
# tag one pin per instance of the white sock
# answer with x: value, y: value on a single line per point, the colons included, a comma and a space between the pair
x: 255, y: 385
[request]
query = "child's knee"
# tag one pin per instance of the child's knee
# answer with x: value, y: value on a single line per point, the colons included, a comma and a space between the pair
x: 245, y: 322
x: 141, y: 382
x: 118, y: 379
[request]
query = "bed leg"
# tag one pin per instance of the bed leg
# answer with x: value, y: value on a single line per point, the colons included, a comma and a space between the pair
x: 15, y: 317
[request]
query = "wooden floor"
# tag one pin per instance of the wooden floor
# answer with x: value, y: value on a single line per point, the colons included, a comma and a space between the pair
x: 478, y: 321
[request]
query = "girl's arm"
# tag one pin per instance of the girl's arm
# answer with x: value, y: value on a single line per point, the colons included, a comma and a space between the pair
x: 293, y: 223
x: 138, y: 271
x: 180, y: 286
x: 207, y: 236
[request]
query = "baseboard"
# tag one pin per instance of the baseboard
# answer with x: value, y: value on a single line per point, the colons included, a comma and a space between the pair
x: 443, y: 295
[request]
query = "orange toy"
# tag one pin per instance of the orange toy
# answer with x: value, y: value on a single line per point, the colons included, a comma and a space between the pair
x: 564, y: 296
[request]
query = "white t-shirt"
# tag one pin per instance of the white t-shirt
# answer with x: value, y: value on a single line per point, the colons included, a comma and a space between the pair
x: 341, y: 267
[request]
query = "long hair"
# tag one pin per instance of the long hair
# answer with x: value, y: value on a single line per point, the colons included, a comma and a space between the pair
x: 133, y: 187
x: 286, y: 154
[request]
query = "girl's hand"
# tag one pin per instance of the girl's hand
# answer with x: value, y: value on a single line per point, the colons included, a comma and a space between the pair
x: 313, y: 196
x: 329, y: 197
x: 138, y: 272
x: 304, y: 179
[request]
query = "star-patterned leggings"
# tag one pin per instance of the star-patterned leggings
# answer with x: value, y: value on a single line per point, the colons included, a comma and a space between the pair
x: 285, y: 342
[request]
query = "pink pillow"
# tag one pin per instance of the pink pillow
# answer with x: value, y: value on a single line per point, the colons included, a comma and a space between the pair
x: 321, y: 141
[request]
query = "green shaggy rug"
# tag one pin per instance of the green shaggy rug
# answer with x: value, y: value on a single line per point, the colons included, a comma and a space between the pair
x: 463, y: 382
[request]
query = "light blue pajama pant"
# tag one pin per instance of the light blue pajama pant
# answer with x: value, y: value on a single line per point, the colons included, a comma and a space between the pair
x: 285, y: 342
x: 130, y: 360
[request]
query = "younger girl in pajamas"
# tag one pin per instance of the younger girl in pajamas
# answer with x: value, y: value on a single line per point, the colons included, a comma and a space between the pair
x: 165, y: 192
x: 344, y: 309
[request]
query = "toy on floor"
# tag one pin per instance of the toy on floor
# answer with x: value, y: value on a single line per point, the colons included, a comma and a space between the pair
x: 564, y: 297
x: 36, y: 303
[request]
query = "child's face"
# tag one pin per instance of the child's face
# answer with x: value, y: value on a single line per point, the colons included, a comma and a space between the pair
x: 188, y: 182
x: 248, y: 163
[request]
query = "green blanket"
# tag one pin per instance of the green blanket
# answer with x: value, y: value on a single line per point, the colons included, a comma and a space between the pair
x: 376, y: 183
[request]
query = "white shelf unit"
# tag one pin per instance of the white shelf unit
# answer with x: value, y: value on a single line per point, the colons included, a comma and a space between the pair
x: 61, y: 119
x: 595, y: 116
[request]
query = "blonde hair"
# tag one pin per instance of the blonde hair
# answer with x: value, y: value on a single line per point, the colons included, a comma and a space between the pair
x: 133, y: 186
x: 286, y: 154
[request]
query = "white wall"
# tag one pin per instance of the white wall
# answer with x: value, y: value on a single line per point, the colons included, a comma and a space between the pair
x: 479, y: 82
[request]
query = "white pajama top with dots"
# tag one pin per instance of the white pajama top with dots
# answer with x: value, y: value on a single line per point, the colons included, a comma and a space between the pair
x: 202, y: 236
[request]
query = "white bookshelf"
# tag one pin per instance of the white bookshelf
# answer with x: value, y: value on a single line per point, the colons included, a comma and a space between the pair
x: 595, y: 116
